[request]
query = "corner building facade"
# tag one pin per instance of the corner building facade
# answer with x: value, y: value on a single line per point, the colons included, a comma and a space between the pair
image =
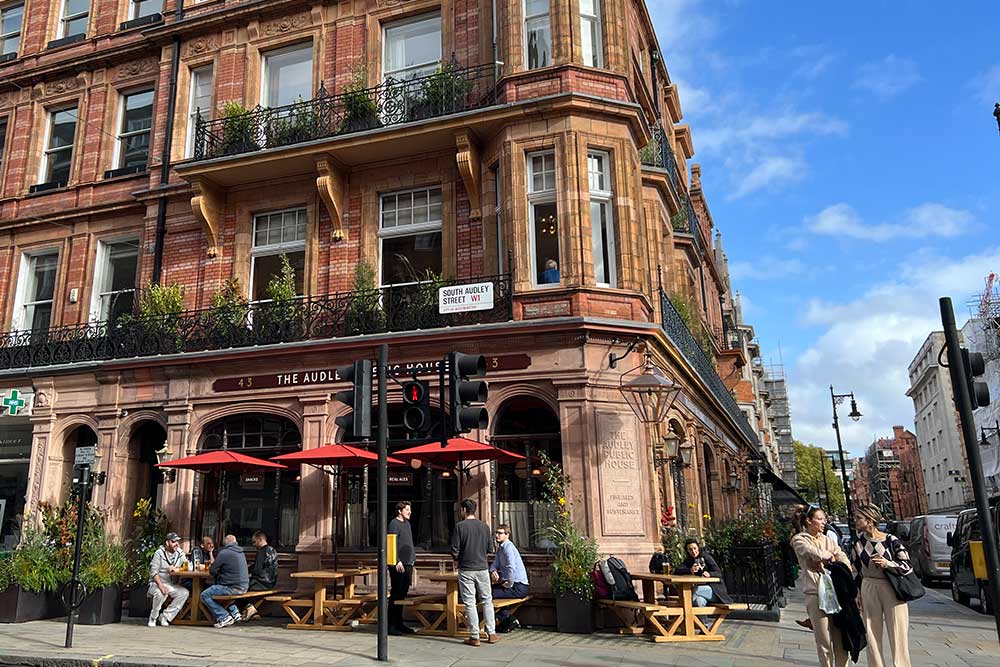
x: 384, y: 149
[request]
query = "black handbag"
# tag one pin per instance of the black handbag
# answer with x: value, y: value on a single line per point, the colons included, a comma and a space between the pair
x: 907, y: 586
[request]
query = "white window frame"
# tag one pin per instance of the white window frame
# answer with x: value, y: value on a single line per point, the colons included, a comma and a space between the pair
x: 64, y: 19
x: 274, y: 248
x: 122, y: 135
x: 410, y: 229
x: 26, y: 284
x: 430, y: 65
x: 192, y: 110
x: 297, y: 46
x: 20, y: 29
x: 597, y: 57
x: 101, y: 265
x: 535, y: 197
x: 535, y: 18
x: 604, y: 197
x: 133, y: 12
x: 43, y: 167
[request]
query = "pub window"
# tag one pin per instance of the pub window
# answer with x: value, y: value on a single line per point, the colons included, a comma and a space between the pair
x: 287, y: 75
x: 138, y: 9
x: 410, y: 236
x: 73, y: 19
x: 38, y: 284
x: 134, y: 130
x: 543, y: 222
x: 199, y: 102
x: 537, y: 34
x: 114, y: 281
x: 590, y: 33
x: 57, y: 156
x: 11, y: 17
x: 602, y: 220
x: 277, y: 234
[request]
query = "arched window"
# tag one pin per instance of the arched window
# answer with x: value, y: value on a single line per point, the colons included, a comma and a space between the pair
x: 257, y: 500
x: 527, y: 426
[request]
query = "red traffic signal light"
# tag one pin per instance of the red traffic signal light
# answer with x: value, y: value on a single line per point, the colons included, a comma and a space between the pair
x: 417, y: 415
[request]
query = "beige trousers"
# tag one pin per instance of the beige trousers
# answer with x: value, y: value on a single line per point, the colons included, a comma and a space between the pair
x: 829, y: 645
x: 879, y: 607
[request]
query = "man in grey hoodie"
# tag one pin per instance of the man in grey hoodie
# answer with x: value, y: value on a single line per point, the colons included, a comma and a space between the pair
x: 231, y: 578
x: 167, y: 560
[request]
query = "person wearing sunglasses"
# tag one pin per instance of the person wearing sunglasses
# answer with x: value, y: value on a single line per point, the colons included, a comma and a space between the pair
x: 509, y: 577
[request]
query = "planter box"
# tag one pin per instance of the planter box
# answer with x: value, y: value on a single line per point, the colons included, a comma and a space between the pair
x: 18, y: 605
x: 139, y: 604
x: 574, y: 614
x: 101, y: 606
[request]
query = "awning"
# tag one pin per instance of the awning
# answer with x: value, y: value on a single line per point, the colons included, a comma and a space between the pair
x: 782, y: 493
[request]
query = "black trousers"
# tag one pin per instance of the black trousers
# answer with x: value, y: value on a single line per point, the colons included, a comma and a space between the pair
x: 400, y: 586
x: 516, y: 590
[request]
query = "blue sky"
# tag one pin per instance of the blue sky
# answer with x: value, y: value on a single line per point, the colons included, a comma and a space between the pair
x: 851, y: 161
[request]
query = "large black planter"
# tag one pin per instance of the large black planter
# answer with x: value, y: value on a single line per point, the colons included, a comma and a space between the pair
x: 101, y: 606
x: 18, y: 605
x: 574, y: 614
x: 139, y: 603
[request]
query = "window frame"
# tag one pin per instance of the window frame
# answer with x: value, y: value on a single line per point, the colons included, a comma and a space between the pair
x: 6, y: 7
x: 43, y: 168
x: 271, y: 250
x: 65, y: 19
x: 605, y: 197
x: 121, y: 135
x: 4, y: 126
x: 524, y: 30
x: 279, y: 50
x: 597, y: 57
x: 411, y: 229
x: 133, y: 11
x: 419, y: 18
x: 26, y: 283
x: 102, y: 263
x: 192, y: 110
x: 534, y: 198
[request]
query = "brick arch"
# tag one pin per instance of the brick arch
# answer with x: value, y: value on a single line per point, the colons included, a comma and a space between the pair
x: 507, y: 392
x: 128, y: 425
x: 197, y: 427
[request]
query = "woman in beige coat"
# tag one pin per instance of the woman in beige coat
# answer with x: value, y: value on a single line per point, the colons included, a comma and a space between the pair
x: 814, y: 549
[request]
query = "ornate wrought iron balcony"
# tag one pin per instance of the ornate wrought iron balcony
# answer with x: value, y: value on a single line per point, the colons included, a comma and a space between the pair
x: 386, y: 309
x: 657, y: 153
x: 449, y: 90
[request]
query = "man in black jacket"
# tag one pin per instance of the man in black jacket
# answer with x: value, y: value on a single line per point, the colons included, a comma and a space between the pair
x: 264, y: 575
x: 401, y: 572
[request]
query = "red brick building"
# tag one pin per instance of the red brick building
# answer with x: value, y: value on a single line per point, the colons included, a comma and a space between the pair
x: 384, y: 149
x: 890, y: 476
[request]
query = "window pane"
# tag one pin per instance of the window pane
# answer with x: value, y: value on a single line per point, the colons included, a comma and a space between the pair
x: 135, y: 150
x: 11, y: 45
x: 122, y: 259
x: 201, y: 90
x: 534, y: 7
x: 539, y: 42
x: 11, y: 20
x: 289, y: 75
x: 596, y: 172
x: 412, y: 43
x: 76, y: 7
x: 138, y: 112
x: 39, y: 316
x: 267, y: 267
x: 63, y: 128
x: 588, y: 7
x: 603, y: 243
x: 44, y: 277
x: 3, y: 139
x: 59, y: 166
x: 407, y: 259
x: 77, y: 26
x: 591, y: 41
x: 147, y: 8
x: 546, y: 229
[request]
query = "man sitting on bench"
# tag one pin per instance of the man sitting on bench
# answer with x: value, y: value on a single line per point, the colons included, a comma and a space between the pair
x: 509, y: 577
x: 264, y: 575
x: 231, y: 578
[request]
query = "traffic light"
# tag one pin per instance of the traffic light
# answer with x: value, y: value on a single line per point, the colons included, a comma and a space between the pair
x: 466, y: 415
x: 359, y: 397
x: 417, y: 414
x: 975, y: 366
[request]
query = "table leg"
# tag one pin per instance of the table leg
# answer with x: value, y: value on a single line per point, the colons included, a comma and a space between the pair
x: 348, y: 587
x: 649, y: 591
x: 687, y: 591
x: 319, y: 602
x: 451, y: 607
x: 195, y: 599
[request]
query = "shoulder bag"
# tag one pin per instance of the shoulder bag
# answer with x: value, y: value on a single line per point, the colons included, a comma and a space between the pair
x: 907, y: 586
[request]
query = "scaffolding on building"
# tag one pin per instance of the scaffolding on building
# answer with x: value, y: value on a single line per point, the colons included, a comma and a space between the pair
x: 781, y: 415
x: 984, y: 309
x: 881, y: 461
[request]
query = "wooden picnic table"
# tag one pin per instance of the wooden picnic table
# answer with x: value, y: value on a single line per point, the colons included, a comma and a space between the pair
x: 442, y: 615
x: 450, y: 580
x: 686, y: 620
x: 339, y: 611
x: 194, y: 613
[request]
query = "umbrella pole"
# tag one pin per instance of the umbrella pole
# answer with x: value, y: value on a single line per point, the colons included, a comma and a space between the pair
x: 337, y: 507
x: 222, y: 493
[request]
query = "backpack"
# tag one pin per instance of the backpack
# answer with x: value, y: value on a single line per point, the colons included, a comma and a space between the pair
x: 657, y: 562
x: 622, y: 589
x: 601, y: 589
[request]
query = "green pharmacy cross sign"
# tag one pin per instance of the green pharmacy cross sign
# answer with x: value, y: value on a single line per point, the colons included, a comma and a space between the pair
x: 13, y: 403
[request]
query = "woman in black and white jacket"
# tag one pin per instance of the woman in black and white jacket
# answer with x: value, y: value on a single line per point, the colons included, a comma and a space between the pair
x: 873, y: 555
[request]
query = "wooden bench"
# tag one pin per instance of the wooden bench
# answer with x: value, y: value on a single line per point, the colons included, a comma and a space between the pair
x: 431, y: 611
x: 256, y: 598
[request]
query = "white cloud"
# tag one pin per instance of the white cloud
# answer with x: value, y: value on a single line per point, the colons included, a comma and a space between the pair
x: 765, y: 127
x: 766, y: 268
x: 926, y: 220
x: 867, y: 344
x: 985, y: 86
x: 889, y: 76
x: 769, y: 172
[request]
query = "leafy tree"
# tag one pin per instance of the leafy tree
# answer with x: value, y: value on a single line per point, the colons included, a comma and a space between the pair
x: 809, y: 461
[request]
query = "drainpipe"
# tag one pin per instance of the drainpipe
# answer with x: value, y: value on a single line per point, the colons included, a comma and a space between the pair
x: 654, y: 58
x: 161, y: 209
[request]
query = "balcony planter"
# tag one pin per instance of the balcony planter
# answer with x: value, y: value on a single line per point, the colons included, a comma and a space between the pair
x: 360, y: 110
x: 574, y: 614
x: 101, y: 606
x: 18, y: 605
x: 139, y: 603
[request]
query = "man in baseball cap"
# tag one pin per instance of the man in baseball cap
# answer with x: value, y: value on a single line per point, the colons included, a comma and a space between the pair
x: 168, y: 560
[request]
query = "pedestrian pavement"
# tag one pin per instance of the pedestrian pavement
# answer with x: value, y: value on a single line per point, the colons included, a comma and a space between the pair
x: 943, y: 634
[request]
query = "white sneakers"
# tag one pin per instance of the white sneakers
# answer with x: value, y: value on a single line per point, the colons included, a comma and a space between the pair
x: 151, y: 623
x: 226, y: 622
x: 162, y: 621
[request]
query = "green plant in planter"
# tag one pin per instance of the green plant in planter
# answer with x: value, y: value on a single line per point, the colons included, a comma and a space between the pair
x: 228, y: 316
x: 364, y: 313
x: 301, y: 124
x: 283, y: 310
x: 160, y: 308
x: 442, y: 92
x: 103, y: 562
x: 149, y: 530
x: 34, y: 565
x: 238, y: 134
x: 360, y: 109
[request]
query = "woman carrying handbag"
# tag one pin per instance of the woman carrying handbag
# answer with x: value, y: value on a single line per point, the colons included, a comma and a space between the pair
x: 887, y: 581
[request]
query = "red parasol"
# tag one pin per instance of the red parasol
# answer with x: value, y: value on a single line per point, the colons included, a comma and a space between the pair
x: 223, y: 459
x: 457, y: 449
x: 329, y: 455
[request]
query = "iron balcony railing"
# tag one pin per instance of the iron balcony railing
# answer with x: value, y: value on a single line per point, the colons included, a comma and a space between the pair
x: 685, y: 342
x: 451, y: 89
x: 657, y: 153
x: 358, y: 313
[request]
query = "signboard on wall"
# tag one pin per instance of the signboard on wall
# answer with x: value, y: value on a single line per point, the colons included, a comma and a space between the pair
x: 465, y: 298
x: 620, y: 474
x: 16, y: 402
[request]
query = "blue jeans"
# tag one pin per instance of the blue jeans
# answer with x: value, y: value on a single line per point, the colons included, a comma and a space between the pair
x: 701, y: 596
x: 217, y: 609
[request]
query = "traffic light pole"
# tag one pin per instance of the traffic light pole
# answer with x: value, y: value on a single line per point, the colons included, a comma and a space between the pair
x: 963, y: 401
x: 383, y: 503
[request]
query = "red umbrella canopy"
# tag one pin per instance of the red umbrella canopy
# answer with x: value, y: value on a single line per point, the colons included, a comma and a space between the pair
x: 223, y: 459
x: 329, y: 455
x: 458, y: 449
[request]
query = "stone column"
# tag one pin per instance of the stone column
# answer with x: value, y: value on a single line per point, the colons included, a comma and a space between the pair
x: 178, y: 497
x: 315, y: 489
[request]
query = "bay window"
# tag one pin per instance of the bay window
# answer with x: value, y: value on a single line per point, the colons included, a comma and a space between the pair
x: 590, y: 33
x: 410, y: 236
x: 543, y: 221
x: 537, y: 34
x: 602, y: 221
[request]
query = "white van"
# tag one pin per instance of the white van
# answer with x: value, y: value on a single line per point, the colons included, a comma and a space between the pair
x: 929, y: 550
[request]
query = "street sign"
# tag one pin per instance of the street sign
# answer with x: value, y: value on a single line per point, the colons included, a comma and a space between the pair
x: 465, y: 298
x: 85, y: 456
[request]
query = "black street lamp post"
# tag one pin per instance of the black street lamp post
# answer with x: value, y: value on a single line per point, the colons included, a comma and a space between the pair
x: 854, y: 414
x: 996, y: 114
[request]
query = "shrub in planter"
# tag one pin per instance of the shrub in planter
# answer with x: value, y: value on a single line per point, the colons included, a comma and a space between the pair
x: 302, y: 123
x: 443, y: 92
x: 104, y: 566
x: 360, y: 110
x: 228, y: 317
x: 29, y: 579
x: 160, y: 315
x: 149, y: 529
x: 238, y: 131
x: 364, y: 313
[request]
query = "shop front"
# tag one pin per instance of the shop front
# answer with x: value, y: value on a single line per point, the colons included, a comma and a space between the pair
x: 15, y: 460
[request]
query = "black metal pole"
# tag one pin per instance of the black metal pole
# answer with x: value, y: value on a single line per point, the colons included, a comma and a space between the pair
x: 826, y: 487
x: 81, y: 516
x: 964, y: 404
x: 843, y: 469
x: 383, y: 504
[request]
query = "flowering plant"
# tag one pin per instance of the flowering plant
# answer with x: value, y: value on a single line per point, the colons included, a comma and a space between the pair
x: 149, y: 530
x: 103, y: 560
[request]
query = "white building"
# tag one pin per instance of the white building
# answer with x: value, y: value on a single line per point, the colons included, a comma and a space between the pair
x: 976, y: 335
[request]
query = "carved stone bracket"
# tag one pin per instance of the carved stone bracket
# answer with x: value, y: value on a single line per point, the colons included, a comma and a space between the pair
x: 207, y: 204
x: 469, y: 166
x: 331, y: 184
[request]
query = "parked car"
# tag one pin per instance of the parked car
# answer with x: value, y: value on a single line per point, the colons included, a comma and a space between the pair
x: 845, y: 536
x: 900, y: 529
x: 927, y: 541
x: 964, y: 584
